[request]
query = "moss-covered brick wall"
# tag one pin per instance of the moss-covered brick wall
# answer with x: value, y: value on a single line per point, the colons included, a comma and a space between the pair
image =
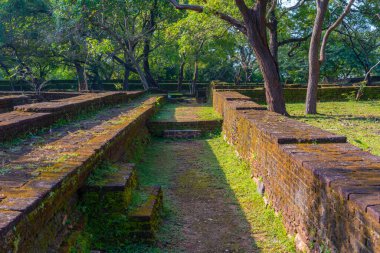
x: 31, y: 117
x: 326, y: 189
x: 294, y: 95
x: 34, y: 216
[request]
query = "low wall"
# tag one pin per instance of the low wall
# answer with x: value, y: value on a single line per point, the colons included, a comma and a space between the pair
x: 328, y: 191
x: 31, y: 117
x: 8, y: 102
x: 157, y: 128
x: 294, y: 95
x: 10, y: 99
x: 34, y: 214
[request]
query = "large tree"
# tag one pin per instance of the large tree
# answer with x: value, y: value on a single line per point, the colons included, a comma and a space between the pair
x: 253, y: 23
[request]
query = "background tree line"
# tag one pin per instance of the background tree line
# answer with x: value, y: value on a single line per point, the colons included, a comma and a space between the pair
x: 237, y: 41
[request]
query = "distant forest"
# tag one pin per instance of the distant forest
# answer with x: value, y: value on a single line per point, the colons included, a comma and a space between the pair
x: 42, y: 40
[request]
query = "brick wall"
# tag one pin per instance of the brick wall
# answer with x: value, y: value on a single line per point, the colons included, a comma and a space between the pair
x: 294, y: 95
x: 7, y: 102
x: 328, y: 191
x: 32, y: 117
x: 33, y: 215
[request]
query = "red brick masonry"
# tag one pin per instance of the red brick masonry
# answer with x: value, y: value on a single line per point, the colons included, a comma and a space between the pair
x: 328, y: 191
x: 30, y: 117
x: 35, y: 200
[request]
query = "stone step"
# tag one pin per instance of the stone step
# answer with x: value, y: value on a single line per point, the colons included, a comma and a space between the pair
x: 158, y: 128
x: 113, y: 193
x: 182, y: 134
x: 145, y: 219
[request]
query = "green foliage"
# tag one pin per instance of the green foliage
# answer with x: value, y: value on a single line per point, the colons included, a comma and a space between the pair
x: 47, y: 38
x: 349, y: 96
x: 118, y: 86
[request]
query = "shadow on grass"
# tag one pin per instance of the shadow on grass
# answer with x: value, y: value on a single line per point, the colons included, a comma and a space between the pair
x: 210, y: 202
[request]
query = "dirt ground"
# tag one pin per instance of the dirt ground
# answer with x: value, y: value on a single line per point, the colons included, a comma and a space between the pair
x: 207, y: 218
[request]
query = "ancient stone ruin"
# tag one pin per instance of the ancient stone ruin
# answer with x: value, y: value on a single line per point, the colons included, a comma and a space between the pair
x: 326, y: 189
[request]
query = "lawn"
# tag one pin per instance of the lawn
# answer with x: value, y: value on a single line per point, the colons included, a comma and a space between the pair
x: 185, y: 112
x: 359, y: 121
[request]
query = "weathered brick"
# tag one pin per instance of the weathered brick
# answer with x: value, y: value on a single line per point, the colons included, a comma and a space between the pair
x: 325, y: 188
x: 46, y: 197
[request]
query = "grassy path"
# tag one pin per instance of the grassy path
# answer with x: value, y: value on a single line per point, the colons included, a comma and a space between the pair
x: 210, y: 202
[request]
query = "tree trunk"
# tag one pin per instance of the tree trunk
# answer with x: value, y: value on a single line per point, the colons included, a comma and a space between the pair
x: 195, y: 78
x: 82, y: 78
x: 255, y: 25
x: 149, y: 28
x: 368, y: 76
x: 237, y: 77
x: 126, y: 78
x: 148, y: 74
x: 314, y: 63
x: 273, y: 35
x: 97, y: 80
x: 139, y: 71
x: 180, y: 75
x: 255, y: 21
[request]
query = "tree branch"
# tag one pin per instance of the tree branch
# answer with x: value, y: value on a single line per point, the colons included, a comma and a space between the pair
x: 298, y: 4
x: 322, y: 54
x: 292, y: 8
x: 120, y: 61
x: 236, y: 23
x: 272, y: 8
x: 370, y: 70
x: 293, y: 40
x: 243, y: 8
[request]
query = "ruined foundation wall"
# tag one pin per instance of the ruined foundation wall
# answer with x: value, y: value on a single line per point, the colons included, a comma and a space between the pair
x: 34, y: 216
x: 32, y: 117
x: 328, y: 191
x: 298, y: 95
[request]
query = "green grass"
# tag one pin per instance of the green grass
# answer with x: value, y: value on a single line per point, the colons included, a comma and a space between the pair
x: 207, y: 113
x: 171, y: 112
x: 217, y: 166
x: 99, y: 175
x: 262, y: 219
x: 218, y: 161
x: 359, y: 121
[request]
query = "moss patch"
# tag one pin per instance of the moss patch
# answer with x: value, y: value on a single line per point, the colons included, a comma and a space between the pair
x: 98, y: 176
